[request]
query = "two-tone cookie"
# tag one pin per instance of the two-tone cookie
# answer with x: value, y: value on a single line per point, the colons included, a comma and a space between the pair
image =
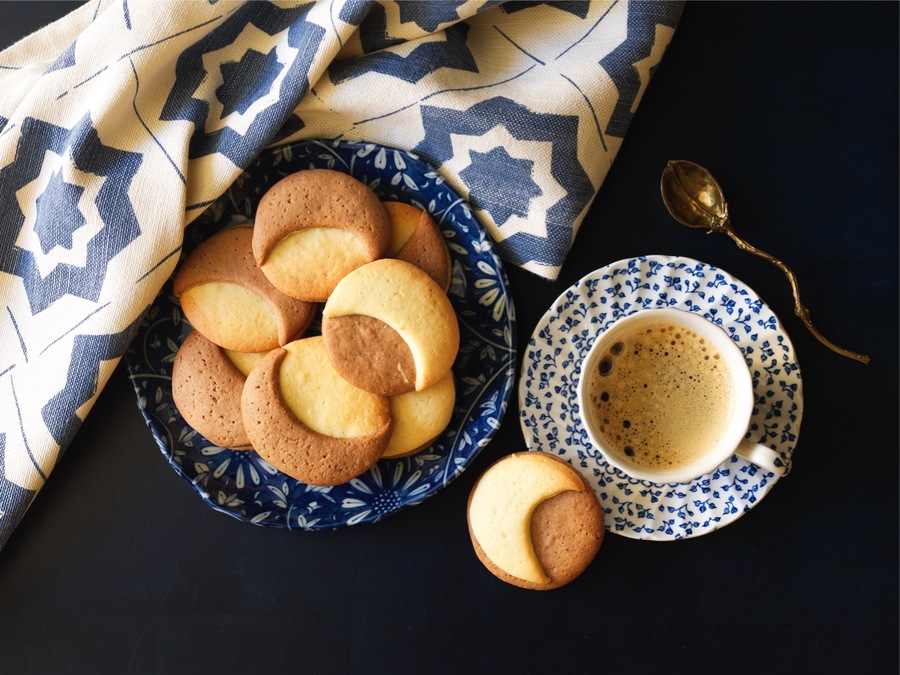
x: 226, y: 297
x: 534, y: 521
x: 416, y: 239
x: 207, y: 387
x: 315, y: 226
x: 390, y: 329
x: 309, y: 422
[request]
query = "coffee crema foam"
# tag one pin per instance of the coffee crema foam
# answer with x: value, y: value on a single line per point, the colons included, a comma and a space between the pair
x: 660, y: 396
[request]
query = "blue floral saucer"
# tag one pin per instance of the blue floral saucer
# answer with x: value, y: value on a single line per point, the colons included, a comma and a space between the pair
x: 240, y: 483
x: 548, y: 408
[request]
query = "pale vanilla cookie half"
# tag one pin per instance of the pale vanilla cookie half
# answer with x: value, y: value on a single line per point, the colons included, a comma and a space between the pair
x: 307, y: 421
x: 420, y: 417
x: 244, y: 361
x: 534, y: 521
x: 390, y: 329
x: 315, y: 226
x: 206, y: 389
x: 416, y: 239
x: 227, y: 298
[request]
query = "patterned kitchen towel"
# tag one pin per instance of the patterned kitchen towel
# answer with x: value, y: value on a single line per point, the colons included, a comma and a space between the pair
x: 122, y: 121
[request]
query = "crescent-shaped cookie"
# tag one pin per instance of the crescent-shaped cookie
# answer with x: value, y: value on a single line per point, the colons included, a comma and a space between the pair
x: 227, y: 298
x: 315, y: 226
x: 307, y: 421
x: 390, y: 329
x: 416, y: 239
x: 206, y: 389
x: 534, y: 521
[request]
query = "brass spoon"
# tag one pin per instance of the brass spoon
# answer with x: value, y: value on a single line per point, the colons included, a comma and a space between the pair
x: 694, y: 198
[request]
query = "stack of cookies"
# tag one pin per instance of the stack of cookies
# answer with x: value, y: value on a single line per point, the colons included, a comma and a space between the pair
x: 376, y: 383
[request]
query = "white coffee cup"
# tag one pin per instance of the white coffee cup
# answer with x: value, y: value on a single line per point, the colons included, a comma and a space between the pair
x: 684, y: 429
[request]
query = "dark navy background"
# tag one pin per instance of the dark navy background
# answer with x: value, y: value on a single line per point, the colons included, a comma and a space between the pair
x: 119, y: 568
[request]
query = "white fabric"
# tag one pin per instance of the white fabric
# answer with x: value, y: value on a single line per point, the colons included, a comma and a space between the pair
x: 121, y: 122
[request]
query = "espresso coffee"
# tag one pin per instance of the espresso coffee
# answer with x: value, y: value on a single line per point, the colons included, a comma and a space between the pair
x: 660, y: 396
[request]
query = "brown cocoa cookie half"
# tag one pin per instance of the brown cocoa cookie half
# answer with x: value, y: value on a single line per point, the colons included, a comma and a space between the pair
x: 416, y: 239
x: 369, y: 353
x: 206, y: 389
x: 307, y: 421
x: 315, y: 226
x: 534, y: 521
x: 226, y: 297
x: 390, y: 329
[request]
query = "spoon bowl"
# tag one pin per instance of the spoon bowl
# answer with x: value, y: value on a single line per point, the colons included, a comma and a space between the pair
x: 695, y: 199
x: 693, y: 196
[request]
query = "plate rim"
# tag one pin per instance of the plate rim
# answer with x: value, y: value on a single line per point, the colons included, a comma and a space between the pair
x: 501, y: 383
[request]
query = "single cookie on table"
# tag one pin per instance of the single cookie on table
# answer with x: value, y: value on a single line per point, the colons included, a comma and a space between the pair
x: 416, y: 239
x: 390, y: 329
x: 420, y: 417
x: 307, y: 421
x: 315, y: 226
x: 206, y: 388
x: 534, y: 521
x: 227, y: 298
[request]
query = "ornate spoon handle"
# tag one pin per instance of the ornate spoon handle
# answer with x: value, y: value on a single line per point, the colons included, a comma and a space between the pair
x: 799, y: 308
x: 695, y: 198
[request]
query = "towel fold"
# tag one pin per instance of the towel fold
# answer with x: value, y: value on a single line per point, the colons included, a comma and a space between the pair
x: 123, y: 121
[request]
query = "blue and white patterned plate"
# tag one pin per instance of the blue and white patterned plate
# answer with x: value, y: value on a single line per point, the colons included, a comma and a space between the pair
x: 548, y: 408
x: 241, y: 484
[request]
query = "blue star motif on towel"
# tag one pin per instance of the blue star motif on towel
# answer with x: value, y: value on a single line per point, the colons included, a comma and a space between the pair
x: 57, y: 213
x: 561, y: 131
x: 247, y: 80
x: 643, y: 17
x: 428, y: 14
x: 373, y: 25
x: 88, y: 352
x: 500, y: 183
x: 426, y: 58
x: 373, y: 32
x: 242, y: 147
x: 116, y: 167
x: 579, y: 8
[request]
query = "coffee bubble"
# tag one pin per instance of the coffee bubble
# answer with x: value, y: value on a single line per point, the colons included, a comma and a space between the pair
x: 606, y: 365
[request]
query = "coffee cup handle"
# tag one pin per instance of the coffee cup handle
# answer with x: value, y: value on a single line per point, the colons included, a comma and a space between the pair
x: 762, y: 456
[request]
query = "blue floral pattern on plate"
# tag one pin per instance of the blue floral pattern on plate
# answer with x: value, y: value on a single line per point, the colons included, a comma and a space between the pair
x: 242, y: 484
x: 548, y: 408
